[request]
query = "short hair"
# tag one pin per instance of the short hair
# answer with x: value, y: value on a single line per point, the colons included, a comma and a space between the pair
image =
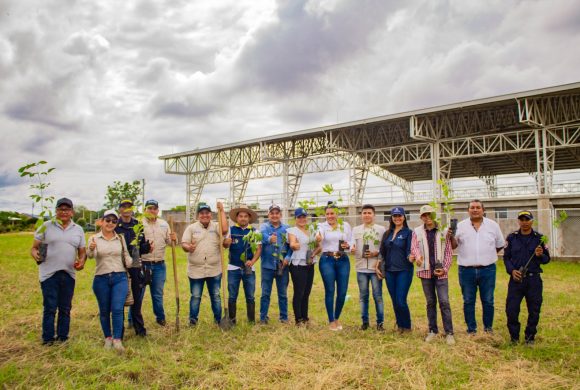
x: 368, y: 207
x: 476, y: 201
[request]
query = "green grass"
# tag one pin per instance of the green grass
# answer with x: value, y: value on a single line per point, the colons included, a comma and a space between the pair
x: 277, y: 355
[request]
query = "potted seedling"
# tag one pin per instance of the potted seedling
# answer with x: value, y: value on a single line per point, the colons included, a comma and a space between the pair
x: 251, y: 240
x: 446, y: 203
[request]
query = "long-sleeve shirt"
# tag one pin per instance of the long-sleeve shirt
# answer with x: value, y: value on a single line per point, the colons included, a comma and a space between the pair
x: 429, y: 259
x: 109, y: 254
x: 520, y: 247
x: 272, y: 253
x: 126, y: 230
x: 330, y: 236
x: 395, y: 251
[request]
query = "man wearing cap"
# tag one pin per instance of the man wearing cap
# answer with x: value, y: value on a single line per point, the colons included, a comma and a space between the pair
x: 242, y: 259
x: 366, y: 252
x: 59, y: 249
x: 524, y: 248
x: 274, y: 249
x: 158, y: 233
x: 431, y: 250
x: 201, y: 241
x: 125, y: 228
x: 478, y: 239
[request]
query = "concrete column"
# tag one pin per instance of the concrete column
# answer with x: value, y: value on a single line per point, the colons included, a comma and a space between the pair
x: 544, y: 217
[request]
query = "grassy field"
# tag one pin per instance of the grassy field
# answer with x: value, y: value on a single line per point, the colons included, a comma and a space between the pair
x: 277, y: 355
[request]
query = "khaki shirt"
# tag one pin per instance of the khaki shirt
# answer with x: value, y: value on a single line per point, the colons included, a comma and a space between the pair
x: 363, y: 264
x: 204, y: 262
x: 158, y: 233
x: 108, y: 254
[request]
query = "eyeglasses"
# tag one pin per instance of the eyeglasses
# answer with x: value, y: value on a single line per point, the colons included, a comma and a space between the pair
x: 111, y: 220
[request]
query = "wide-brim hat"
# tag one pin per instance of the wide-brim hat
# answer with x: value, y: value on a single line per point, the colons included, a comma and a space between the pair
x: 234, y: 213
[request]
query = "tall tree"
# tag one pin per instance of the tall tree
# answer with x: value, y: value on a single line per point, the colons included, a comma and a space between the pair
x: 120, y: 191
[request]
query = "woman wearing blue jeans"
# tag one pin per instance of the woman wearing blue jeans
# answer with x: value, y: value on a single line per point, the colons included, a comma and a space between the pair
x: 335, y: 240
x: 110, y: 284
x: 395, y: 250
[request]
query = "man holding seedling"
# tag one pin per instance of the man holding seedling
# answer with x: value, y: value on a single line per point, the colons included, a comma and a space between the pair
x: 126, y: 227
x: 156, y: 231
x: 59, y: 250
x: 245, y: 245
x: 478, y: 240
x: 366, y: 251
x: 524, y: 252
x: 274, y: 264
x: 432, y: 253
x: 201, y: 241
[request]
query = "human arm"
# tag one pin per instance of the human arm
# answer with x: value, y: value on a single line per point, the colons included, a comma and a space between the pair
x: 34, y: 251
x: 224, y: 220
x: 81, y: 258
x: 255, y: 258
x: 415, y: 253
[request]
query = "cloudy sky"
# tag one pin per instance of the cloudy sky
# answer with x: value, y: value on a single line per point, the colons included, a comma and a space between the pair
x: 100, y: 89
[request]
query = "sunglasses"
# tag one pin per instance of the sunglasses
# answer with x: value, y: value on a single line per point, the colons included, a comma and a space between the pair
x: 111, y: 220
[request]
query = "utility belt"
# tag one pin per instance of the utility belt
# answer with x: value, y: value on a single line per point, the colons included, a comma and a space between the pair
x: 336, y: 255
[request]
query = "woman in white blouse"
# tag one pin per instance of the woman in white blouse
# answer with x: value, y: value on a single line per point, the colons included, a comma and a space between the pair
x: 110, y: 284
x: 301, y: 264
x: 335, y: 239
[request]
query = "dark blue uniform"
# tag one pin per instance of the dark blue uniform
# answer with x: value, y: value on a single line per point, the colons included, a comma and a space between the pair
x: 137, y: 279
x: 519, y: 248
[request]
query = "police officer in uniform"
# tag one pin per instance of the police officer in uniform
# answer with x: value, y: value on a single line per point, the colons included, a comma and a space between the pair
x: 521, y: 246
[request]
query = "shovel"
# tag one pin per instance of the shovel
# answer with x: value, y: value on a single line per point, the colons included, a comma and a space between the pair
x: 226, y: 322
x: 174, y: 256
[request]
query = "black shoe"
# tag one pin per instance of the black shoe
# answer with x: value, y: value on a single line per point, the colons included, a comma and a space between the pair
x: 284, y: 321
x: 488, y: 330
x: 192, y: 323
x: 129, y: 325
x: 162, y: 322
x: 48, y: 342
x: 364, y: 326
x: 263, y: 322
x: 232, y: 311
x: 251, y: 311
x: 141, y: 334
x: 530, y: 342
x: 514, y: 341
x: 380, y: 327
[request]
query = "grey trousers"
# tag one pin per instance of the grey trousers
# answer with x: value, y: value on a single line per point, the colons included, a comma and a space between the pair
x: 437, y: 289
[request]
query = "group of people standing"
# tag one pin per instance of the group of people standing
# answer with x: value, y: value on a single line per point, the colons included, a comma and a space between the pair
x: 128, y: 258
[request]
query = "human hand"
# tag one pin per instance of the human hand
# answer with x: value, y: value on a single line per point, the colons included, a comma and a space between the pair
x: 227, y: 242
x: 285, y: 262
x: 220, y: 206
x: 249, y: 263
x: 273, y: 238
x: 419, y: 261
x: 151, y: 246
x: 318, y: 237
x: 173, y: 236
x: 539, y: 251
x: 92, y: 244
x: 438, y: 272
x: 35, y: 254
x: 79, y: 264
x: 517, y: 275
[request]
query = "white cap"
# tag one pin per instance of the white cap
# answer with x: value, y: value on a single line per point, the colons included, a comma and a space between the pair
x: 426, y: 209
x: 111, y: 212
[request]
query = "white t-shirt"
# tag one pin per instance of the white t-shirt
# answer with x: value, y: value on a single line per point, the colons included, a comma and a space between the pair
x: 478, y: 247
x: 299, y: 256
x: 363, y: 264
x: 330, y: 237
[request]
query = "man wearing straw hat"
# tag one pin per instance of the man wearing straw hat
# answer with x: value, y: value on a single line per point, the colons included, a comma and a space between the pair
x: 201, y: 242
x: 242, y: 259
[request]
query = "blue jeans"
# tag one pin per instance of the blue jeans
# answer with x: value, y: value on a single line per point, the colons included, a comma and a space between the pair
x: 335, y: 275
x: 57, y: 293
x: 196, y: 288
x: 268, y: 276
x: 363, y: 280
x: 111, y: 291
x: 470, y: 279
x: 158, y: 276
x: 234, y: 279
x: 398, y: 284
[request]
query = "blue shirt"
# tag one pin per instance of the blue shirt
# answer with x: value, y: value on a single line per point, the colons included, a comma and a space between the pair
x: 520, y: 247
x: 126, y: 229
x: 238, y: 246
x: 272, y: 253
x: 395, y: 252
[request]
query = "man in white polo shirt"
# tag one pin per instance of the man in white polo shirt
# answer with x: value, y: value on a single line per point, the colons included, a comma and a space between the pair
x: 478, y: 240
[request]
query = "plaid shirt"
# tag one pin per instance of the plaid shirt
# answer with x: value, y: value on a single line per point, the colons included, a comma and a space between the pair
x: 447, y: 257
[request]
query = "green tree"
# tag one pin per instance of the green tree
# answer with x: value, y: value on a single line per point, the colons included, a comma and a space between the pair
x: 120, y: 191
x: 179, y: 208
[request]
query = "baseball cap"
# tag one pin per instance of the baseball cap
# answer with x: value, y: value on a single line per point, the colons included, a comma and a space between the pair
x: 426, y: 209
x: 152, y: 202
x: 525, y: 214
x: 126, y: 202
x: 299, y: 212
x: 274, y: 207
x: 397, y: 211
x: 203, y: 206
x: 65, y: 202
x: 110, y: 212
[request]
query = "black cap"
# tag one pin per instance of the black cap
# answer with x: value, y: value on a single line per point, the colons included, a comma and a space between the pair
x: 64, y: 201
x: 203, y: 206
x: 525, y: 214
x: 126, y: 202
x: 152, y: 202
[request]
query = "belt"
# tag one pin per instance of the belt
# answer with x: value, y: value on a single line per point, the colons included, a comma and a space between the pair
x: 336, y: 255
x: 475, y: 266
x: 152, y: 262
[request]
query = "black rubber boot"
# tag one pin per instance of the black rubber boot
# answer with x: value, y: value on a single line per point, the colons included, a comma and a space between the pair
x: 232, y: 311
x: 251, y: 307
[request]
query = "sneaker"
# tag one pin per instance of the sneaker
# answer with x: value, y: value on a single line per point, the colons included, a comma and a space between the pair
x: 118, y: 346
x: 488, y: 330
x: 338, y: 325
x: 108, y: 343
x: 380, y: 327
x: 284, y: 321
x: 263, y: 322
x: 162, y: 322
x: 364, y: 326
x: 449, y: 339
x: 430, y: 337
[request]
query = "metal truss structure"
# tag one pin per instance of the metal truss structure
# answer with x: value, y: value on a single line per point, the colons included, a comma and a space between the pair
x: 534, y: 132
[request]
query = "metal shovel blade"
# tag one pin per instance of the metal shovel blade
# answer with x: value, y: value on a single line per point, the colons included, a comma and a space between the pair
x: 226, y: 321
